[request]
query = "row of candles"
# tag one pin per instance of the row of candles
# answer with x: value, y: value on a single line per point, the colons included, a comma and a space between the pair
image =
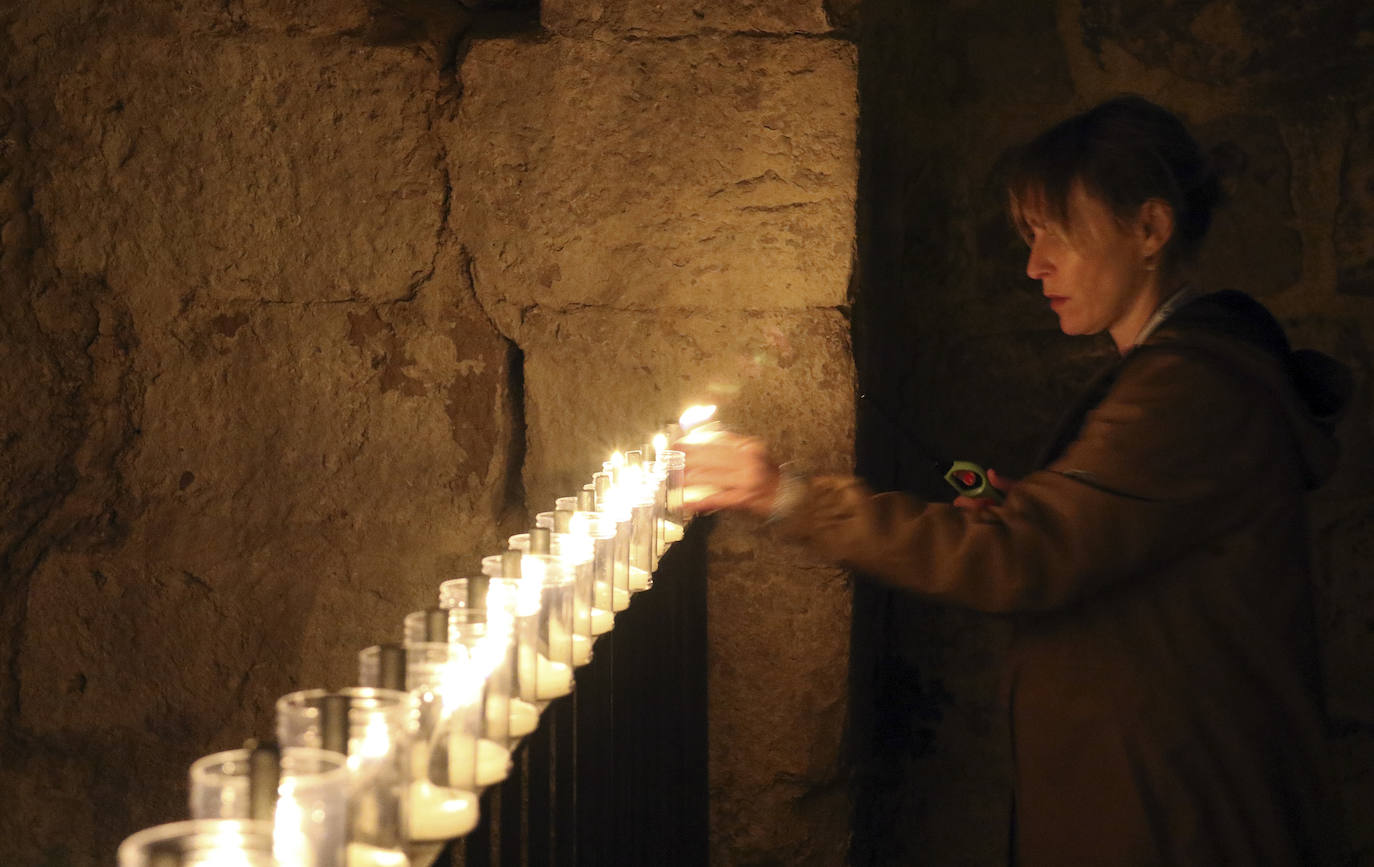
x: 386, y: 773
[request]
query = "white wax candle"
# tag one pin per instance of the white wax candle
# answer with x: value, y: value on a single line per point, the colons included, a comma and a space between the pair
x: 602, y: 621
x: 672, y: 532
x: 363, y: 855
x: 559, y: 639
x: 524, y: 718
x: 550, y: 679
x: 492, y: 761
x: 494, y: 710
x: 612, y: 598
x: 639, y: 578
x: 440, y: 813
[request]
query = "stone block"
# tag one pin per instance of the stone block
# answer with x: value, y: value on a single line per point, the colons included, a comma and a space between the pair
x: 597, y: 381
x: 779, y: 656
x: 670, y: 18
x: 297, y: 474
x: 270, y: 169
x: 302, y: 16
x: 712, y: 173
x: 1354, y: 231
x: 1343, y: 541
x: 1290, y: 50
x: 1252, y: 246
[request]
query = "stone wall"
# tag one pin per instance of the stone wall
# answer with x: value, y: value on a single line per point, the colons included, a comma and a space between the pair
x: 302, y: 299
x: 956, y: 345
x: 663, y: 214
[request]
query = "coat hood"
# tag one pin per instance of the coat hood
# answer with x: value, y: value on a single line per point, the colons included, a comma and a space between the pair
x: 1312, y: 389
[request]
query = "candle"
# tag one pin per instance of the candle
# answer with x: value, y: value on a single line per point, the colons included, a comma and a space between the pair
x: 602, y: 620
x: 609, y: 599
x: 694, y: 424
x: 542, y: 679
x: 478, y: 761
x: 580, y: 651
x: 439, y: 812
x: 363, y: 855
x: 694, y: 416
x: 640, y: 579
x: 524, y: 718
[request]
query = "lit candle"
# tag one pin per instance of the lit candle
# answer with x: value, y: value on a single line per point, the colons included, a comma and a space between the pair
x: 439, y: 812
x: 608, y: 596
x: 524, y: 717
x: 694, y: 424
x: 363, y: 855
x: 545, y: 678
x: 479, y: 760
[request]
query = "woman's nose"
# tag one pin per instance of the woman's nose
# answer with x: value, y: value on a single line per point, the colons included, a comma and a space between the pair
x: 1038, y: 265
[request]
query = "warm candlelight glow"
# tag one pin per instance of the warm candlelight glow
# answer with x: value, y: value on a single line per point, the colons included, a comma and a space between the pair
x: 660, y: 443
x: 531, y: 585
x: 374, y: 744
x: 696, y: 415
x: 460, y: 681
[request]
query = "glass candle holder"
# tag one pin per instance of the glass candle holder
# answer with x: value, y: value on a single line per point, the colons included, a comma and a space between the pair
x: 372, y: 728
x: 600, y: 532
x: 674, y: 465
x: 543, y: 642
x: 490, y: 641
x: 428, y: 624
x: 200, y: 843
x: 614, y: 508
x: 655, y: 486
x: 488, y: 718
x: 575, y: 551
x: 442, y: 787
x: 311, y: 800
x: 643, y: 554
x: 382, y: 666
x: 507, y: 616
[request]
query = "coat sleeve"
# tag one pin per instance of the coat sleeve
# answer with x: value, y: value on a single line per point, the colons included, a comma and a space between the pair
x: 1158, y: 469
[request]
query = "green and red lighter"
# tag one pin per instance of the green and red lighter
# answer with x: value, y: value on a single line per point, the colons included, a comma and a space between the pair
x: 971, y: 481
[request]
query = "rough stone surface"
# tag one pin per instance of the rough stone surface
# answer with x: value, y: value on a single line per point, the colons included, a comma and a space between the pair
x: 1354, y: 229
x: 593, y: 378
x: 660, y: 18
x: 1286, y: 50
x: 779, y: 640
x: 712, y: 173
x: 253, y: 189
x: 251, y: 397
x: 1257, y: 175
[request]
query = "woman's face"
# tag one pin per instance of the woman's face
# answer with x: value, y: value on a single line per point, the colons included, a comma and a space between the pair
x: 1093, y: 270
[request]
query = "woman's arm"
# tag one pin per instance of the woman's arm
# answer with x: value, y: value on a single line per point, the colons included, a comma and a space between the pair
x: 1158, y: 469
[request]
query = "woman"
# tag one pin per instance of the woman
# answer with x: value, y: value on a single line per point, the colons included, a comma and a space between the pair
x: 1163, y: 680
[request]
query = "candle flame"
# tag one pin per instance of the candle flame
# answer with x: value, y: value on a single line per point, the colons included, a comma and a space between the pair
x: 580, y: 525
x: 617, y: 459
x: 460, y: 679
x: 695, y: 415
x: 375, y: 743
x: 660, y: 443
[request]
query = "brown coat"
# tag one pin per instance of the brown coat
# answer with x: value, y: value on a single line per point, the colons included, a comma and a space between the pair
x: 1163, y: 689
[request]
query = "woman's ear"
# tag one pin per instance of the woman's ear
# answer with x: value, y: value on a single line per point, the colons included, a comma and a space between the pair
x: 1155, y: 223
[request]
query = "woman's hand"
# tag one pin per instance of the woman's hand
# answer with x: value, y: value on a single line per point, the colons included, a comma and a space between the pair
x: 978, y: 504
x: 729, y: 472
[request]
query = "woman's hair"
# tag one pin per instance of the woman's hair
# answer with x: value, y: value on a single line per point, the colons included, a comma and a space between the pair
x: 1125, y: 152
